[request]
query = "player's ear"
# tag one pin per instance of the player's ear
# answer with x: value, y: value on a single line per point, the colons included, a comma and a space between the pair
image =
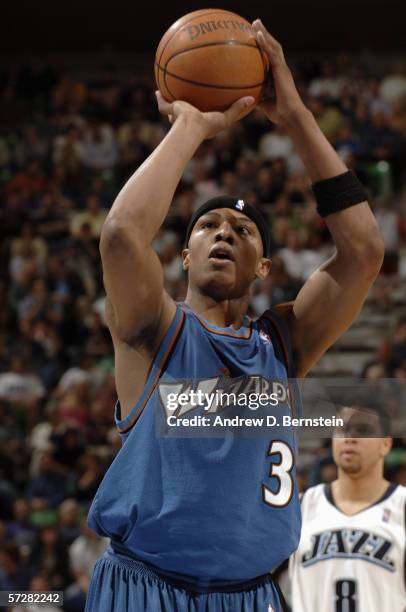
x: 263, y: 268
x: 386, y: 445
x: 185, y: 259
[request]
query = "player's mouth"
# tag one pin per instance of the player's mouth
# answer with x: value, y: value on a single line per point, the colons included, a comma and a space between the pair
x: 221, y: 254
x: 348, y: 453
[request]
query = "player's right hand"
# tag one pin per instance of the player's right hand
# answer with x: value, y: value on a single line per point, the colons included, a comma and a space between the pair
x: 211, y: 123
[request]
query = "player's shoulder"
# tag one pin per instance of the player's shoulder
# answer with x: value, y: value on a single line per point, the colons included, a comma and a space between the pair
x: 313, y: 495
x: 399, y: 493
x: 278, y: 314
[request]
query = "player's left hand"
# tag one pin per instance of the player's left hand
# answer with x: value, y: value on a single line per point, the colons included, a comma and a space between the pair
x: 288, y: 102
x: 212, y: 122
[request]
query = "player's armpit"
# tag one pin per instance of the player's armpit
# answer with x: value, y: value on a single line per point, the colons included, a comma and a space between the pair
x: 133, y: 280
x: 325, y: 307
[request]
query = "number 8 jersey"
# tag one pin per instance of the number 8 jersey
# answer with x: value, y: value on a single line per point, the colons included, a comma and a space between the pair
x: 223, y: 508
x: 350, y: 563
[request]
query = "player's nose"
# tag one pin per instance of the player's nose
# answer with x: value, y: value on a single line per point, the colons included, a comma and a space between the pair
x: 225, y: 232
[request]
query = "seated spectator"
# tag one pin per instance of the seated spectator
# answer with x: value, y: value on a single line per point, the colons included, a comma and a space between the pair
x: 38, y: 304
x: 328, y: 117
x: 276, y: 144
x: 19, y: 384
x: 84, y: 552
x: 14, y: 576
x: 292, y: 253
x: 31, y: 181
x: 20, y: 530
x: 133, y: 151
x: 347, y: 142
x: 89, y: 475
x: 282, y: 287
x: 13, y: 214
x: 393, y: 86
x: 49, y: 555
x: 327, y: 84
x: 69, y: 521
x: 93, y: 215
x: 68, y: 440
x: 66, y: 153
x: 28, y: 245
x: 48, y: 489
x: 97, y: 146
x: 50, y: 219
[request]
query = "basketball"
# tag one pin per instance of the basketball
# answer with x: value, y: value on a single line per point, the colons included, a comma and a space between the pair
x: 210, y: 58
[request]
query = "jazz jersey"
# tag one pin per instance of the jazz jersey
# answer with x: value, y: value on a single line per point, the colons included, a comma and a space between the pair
x: 350, y: 563
x: 207, y: 505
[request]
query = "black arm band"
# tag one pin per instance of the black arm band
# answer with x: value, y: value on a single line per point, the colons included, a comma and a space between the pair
x: 337, y: 193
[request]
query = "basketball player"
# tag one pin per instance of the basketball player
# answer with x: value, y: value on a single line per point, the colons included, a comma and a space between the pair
x: 351, y: 556
x: 197, y: 523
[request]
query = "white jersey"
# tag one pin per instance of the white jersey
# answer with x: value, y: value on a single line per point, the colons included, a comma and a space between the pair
x: 350, y: 563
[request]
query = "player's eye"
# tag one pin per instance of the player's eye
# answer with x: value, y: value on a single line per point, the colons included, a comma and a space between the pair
x: 207, y: 224
x: 243, y: 230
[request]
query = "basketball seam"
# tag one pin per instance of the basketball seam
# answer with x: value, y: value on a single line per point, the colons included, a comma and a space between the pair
x: 212, y: 12
x: 175, y: 76
x: 231, y: 43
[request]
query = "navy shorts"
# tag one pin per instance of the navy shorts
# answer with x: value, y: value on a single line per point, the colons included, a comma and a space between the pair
x: 122, y: 584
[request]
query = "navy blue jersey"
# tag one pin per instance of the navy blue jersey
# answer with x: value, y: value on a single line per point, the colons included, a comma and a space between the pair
x: 219, y: 507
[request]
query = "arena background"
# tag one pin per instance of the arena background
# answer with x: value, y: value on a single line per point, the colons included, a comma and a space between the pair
x: 77, y: 116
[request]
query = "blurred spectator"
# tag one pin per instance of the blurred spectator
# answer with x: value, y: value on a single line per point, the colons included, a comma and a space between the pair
x: 69, y: 520
x: 93, y: 215
x: 83, y: 554
x: 19, y: 385
x: 50, y: 219
x: 31, y: 181
x: 48, y: 489
x: 21, y: 530
x: 393, y: 86
x: 97, y: 147
x: 276, y: 144
x: 14, y: 576
x: 49, y: 555
x: 328, y: 84
x: 89, y: 475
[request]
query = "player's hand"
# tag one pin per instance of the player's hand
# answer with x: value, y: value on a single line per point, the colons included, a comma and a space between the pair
x: 210, y: 123
x: 287, y: 102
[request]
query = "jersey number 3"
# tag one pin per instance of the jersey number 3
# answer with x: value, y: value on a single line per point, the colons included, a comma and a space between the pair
x: 281, y: 470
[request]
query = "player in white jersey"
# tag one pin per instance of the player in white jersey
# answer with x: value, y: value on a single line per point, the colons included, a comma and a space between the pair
x: 351, y: 556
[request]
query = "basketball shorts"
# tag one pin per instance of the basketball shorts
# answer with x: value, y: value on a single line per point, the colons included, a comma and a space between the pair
x: 122, y: 584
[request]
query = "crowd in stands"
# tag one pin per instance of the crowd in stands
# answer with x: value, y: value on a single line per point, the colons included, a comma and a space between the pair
x: 67, y: 145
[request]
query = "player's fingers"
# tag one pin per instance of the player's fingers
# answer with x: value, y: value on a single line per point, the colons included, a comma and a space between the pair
x: 239, y: 109
x: 267, y: 42
x: 164, y: 107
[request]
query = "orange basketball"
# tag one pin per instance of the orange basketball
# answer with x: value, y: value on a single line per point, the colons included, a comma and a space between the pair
x: 210, y: 58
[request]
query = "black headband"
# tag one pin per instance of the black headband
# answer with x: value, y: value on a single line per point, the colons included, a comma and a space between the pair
x: 234, y: 204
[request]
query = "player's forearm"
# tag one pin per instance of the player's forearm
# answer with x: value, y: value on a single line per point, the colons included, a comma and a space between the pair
x: 319, y: 158
x: 143, y: 203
